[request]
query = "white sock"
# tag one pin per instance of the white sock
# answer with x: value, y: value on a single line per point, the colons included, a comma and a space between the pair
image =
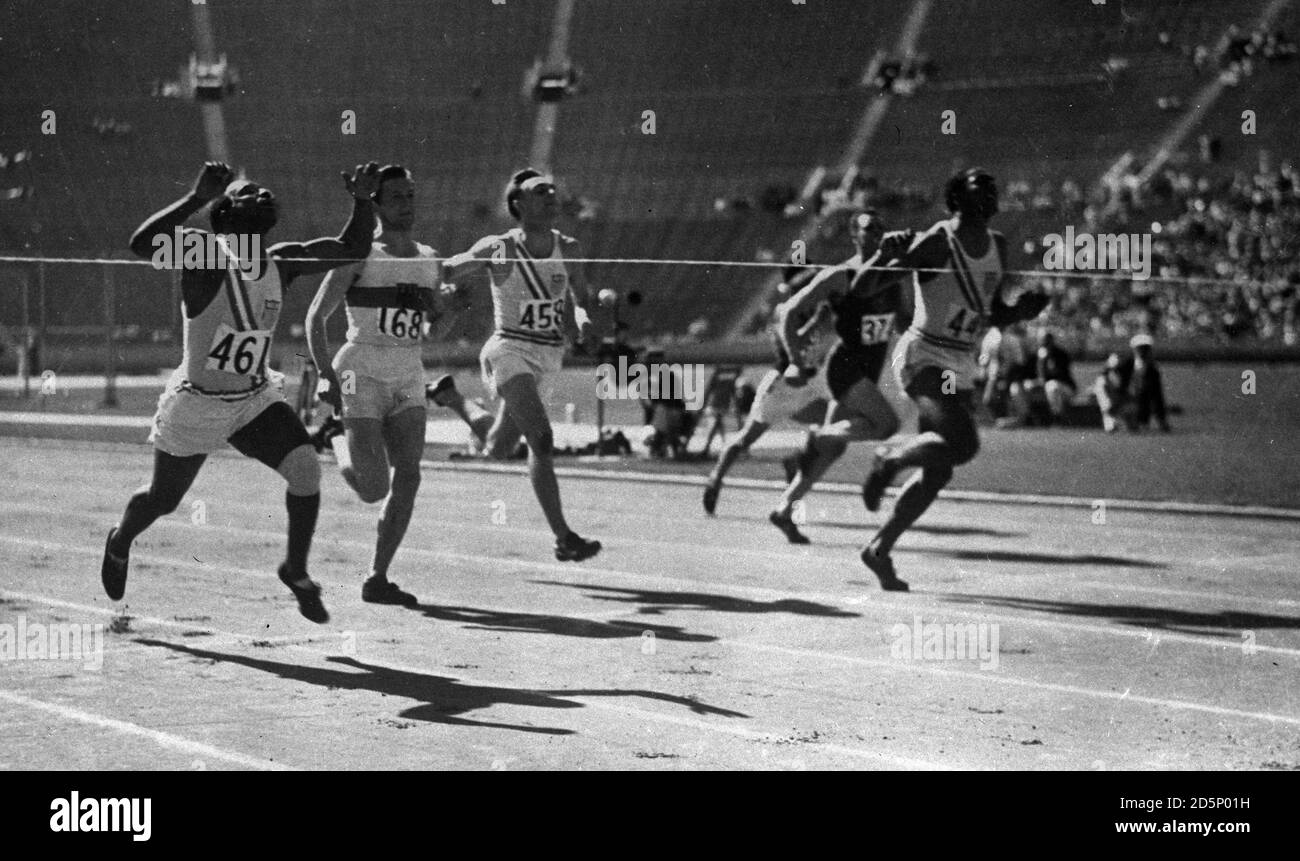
x: 342, y: 453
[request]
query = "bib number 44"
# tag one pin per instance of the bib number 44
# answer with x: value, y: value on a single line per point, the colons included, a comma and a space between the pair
x: 964, y: 325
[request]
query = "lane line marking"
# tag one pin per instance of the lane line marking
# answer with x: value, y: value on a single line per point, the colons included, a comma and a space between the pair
x: 1143, y: 506
x: 163, y: 739
x: 567, y: 569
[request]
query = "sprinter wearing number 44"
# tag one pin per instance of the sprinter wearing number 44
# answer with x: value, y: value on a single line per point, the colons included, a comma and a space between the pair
x: 224, y: 391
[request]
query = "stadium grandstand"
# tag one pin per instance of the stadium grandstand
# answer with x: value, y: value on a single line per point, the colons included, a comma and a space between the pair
x: 759, y: 132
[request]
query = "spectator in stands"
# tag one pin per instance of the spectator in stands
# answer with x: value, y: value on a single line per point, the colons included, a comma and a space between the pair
x: 1007, y: 365
x: 1130, y: 389
x: 746, y: 392
x: 1053, y: 384
x: 719, y: 395
x: 671, y: 423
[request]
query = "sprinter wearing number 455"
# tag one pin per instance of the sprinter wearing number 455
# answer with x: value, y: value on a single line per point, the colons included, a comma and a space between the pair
x: 533, y: 292
x: 223, y: 392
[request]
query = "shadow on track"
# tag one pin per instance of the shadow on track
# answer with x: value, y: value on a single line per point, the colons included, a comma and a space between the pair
x: 561, y: 626
x: 870, y: 525
x: 661, y: 602
x: 1032, y: 558
x: 442, y: 698
x: 1180, y: 621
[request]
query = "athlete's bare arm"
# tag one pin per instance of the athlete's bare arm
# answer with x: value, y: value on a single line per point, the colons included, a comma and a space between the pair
x: 1027, y: 307
x: 211, y: 182
x: 199, y: 283
x: 326, y: 301
x: 330, y: 252
x: 481, y: 255
x: 579, y: 321
x: 805, y: 302
x: 929, y: 250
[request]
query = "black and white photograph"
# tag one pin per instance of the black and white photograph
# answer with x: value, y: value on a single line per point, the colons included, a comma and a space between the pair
x: 651, y: 386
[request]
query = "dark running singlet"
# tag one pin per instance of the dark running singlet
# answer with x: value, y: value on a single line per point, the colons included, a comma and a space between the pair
x: 864, y: 324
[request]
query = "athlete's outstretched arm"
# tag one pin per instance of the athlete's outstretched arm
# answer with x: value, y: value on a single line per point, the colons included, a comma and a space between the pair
x: 805, y: 302
x: 211, y: 182
x: 479, y: 255
x: 323, y: 304
x: 1027, y: 307
x: 350, y: 246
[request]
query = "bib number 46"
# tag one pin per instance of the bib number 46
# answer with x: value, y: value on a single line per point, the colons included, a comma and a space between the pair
x: 235, y: 352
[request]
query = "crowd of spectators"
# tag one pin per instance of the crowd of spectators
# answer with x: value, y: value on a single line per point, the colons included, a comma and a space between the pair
x: 1226, y: 260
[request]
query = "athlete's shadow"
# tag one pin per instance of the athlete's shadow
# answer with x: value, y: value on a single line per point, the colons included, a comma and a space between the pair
x: 1165, y: 618
x: 661, y: 602
x: 865, y: 524
x: 1035, y: 558
x: 563, y: 626
x: 442, y: 698
x: 925, y: 528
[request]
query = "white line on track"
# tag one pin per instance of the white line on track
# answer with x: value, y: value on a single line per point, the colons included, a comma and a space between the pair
x: 1144, y: 506
x: 810, y: 553
x: 163, y: 739
x: 906, y: 607
x: 835, y: 657
x: 1141, y: 505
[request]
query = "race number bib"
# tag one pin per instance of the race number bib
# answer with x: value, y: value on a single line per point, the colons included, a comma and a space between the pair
x: 963, y: 324
x: 876, y: 328
x: 542, y: 315
x: 401, y: 323
x: 235, y: 352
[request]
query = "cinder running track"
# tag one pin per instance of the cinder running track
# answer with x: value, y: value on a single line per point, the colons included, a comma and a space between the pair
x: 1148, y: 641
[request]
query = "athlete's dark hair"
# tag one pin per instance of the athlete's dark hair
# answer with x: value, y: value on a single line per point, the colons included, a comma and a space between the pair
x: 513, y: 190
x: 957, y: 184
x: 387, y: 172
x: 219, y: 211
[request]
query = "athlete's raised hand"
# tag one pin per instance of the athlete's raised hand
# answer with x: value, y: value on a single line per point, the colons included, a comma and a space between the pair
x: 212, y: 180
x: 894, y: 244
x: 364, y: 180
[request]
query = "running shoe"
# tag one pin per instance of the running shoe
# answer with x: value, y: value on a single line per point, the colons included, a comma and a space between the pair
x: 309, y: 602
x: 112, y: 571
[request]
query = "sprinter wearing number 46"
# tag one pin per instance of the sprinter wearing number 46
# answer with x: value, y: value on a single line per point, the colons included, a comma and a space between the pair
x: 223, y: 392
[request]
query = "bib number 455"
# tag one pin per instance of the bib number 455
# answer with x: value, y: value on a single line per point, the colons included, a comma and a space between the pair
x: 542, y: 315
